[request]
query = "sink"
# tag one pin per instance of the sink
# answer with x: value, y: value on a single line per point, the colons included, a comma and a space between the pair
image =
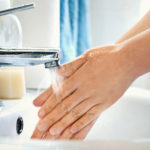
x: 128, y: 119
x: 123, y: 126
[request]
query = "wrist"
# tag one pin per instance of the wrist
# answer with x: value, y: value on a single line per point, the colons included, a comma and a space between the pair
x: 125, y: 61
x: 136, y: 56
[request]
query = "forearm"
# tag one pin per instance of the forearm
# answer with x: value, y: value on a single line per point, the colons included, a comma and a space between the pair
x: 141, y: 26
x: 136, y: 52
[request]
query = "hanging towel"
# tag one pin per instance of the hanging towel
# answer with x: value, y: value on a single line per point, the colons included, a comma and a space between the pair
x: 74, y: 28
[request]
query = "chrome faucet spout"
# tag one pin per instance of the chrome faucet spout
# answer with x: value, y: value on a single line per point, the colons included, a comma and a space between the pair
x: 29, y: 56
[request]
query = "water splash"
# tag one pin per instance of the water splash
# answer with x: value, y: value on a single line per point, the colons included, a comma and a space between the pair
x: 56, y: 79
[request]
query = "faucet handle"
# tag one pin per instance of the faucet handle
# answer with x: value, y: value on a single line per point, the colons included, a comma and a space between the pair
x: 17, y: 9
x: 29, y: 57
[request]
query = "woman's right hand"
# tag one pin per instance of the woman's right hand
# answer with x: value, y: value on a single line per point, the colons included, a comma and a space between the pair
x: 102, y: 76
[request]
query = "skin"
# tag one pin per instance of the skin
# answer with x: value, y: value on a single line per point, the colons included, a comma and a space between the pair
x: 86, y: 91
x: 142, y: 25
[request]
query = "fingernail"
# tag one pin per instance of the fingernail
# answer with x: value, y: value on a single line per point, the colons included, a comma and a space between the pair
x: 54, y: 131
x: 42, y: 126
x: 41, y: 113
x: 74, y: 130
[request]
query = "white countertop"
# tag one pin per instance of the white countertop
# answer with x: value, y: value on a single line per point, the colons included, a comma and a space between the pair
x: 76, y: 145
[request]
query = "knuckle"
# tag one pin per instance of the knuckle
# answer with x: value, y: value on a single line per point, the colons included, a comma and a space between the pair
x: 67, y: 86
x: 46, y: 107
x: 90, y: 115
x: 80, y: 124
x: 50, y: 120
x: 63, y: 124
x: 71, y: 83
x: 64, y: 92
x: 75, y: 113
x: 60, y: 95
x: 64, y: 107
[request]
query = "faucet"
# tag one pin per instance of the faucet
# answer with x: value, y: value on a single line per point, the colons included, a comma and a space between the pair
x: 29, y: 57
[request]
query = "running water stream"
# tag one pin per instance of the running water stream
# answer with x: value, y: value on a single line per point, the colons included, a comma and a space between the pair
x: 56, y: 79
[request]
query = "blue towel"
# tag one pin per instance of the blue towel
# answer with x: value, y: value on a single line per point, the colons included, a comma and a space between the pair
x: 74, y: 28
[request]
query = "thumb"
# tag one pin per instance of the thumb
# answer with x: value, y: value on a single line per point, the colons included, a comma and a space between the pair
x: 68, y: 69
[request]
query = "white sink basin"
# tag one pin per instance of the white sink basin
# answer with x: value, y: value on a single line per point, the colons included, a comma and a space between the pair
x: 124, y: 126
x: 128, y: 119
x: 125, y: 120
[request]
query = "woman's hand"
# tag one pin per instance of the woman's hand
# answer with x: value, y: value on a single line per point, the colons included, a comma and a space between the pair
x: 94, y: 82
x: 66, y: 135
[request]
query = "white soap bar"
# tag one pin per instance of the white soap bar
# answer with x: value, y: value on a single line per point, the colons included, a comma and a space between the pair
x: 12, y: 83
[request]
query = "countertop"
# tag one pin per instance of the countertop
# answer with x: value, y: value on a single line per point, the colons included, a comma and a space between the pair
x: 76, y: 145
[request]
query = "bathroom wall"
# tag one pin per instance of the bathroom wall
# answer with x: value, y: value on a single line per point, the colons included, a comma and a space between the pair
x: 112, y: 18
x: 40, y: 25
x: 40, y: 29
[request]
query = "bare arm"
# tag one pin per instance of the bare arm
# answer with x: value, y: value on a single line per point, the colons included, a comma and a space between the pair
x: 137, y: 50
x: 142, y: 25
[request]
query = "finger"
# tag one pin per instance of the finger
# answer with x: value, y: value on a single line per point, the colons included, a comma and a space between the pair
x: 67, y: 104
x: 47, y: 107
x: 37, y: 134
x: 83, y: 133
x: 68, y: 69
x: 91, y: 115
x: 48, y: 136
x: 59, y: 111
x: 68, y: 87
x: 39, y: 101
x: 66, y: 135
x: 72, y: 116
